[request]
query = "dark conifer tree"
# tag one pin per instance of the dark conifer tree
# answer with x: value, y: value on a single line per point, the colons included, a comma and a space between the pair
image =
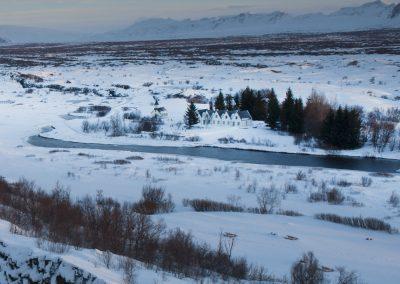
x: 229, y: 102
x: 273, y: 110
x: 247, y: 100
x: 342, y: 129
x: 191, y: 116
x: 237, y: 101
x: 220, y: 102
x: 296, y: 122
x: 327, y: 128
x: 211, y: 105
x: 287, y: 110
x: 259, y: 109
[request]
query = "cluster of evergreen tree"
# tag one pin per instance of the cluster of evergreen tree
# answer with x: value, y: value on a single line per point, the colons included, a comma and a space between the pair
x: 338, y: 128
x: 292, y: 114
x: 251, y: 100
x: 342, y: 128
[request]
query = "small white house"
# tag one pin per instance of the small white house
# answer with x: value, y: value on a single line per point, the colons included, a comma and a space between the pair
x: 225, y: 118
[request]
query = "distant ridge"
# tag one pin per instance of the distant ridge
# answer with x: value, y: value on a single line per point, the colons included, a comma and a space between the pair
x: 372, y: 15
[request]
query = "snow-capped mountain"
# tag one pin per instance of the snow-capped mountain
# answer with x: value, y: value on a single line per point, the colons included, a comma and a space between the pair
x: 373, y: 15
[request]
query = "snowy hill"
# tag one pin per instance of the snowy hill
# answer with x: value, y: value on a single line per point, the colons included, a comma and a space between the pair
x: 373, y: 15
x: 19, y: 34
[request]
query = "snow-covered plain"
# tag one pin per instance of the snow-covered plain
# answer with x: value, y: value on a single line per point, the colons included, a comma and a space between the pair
x: 23, y: 114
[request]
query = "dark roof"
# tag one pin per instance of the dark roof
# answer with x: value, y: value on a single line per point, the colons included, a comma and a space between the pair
x: 159, y: 109
x: 244, y: 114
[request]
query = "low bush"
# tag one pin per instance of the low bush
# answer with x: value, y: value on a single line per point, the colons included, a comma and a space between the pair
x: 134, y: 115
x: 290, y: 213
x: 394, y: 199
x: 205, y: 205
x: 154, y: 201
x: 366, y: 181
x: 148, y: 124
x: 359, y: 222
x: 333, y: 196
x: 307, y: 271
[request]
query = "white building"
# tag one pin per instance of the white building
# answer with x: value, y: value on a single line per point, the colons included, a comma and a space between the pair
x: 225, y: 118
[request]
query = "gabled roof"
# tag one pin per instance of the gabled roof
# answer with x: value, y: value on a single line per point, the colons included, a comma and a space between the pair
x: 202, y: 111
x: 244, y: 114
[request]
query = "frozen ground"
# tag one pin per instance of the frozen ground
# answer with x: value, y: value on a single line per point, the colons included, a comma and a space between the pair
x: 330, y: 75
x: 20, y: 249
x: 24, y: 113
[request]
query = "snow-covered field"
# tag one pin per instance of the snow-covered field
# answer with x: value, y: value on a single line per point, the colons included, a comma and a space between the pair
x: 260, y: 237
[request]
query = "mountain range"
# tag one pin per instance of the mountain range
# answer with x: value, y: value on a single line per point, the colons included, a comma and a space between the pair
x: 373, y: 15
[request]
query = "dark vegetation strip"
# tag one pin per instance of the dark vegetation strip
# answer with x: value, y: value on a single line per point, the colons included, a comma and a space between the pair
x: 359, y: 222
x: 105, y: 224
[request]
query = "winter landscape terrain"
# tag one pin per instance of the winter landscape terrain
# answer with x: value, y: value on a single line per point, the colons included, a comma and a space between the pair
x: 94, y: 189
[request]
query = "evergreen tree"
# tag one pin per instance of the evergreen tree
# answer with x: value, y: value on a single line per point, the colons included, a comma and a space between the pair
x: 247, y: 100
x: 229, y: 103
x: 296, y: 121
x: 259, y: 109
x: 220, y: 102
x: 287, y: 110
x: 237, y: 101
x: 272, y: 110
x: 355, y: 126
x: 341, y: 129
x: 191, y: 116
x: 211, y: 105
x: 327, y: 128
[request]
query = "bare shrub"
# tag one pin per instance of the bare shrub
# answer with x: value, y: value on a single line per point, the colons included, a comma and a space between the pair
x: 206, y: 205
x: 343, y: 183
x: 380, y: 129
x: 226, y: 243
x: 290, y: 188
x: 128, y: 270
x: 335, y: 196
x: 117, y: 126
x: 301, y: 175
x: 394, y: 199
x: 148, y: 124
x: 366, y: 181
x: 315, y: 112
x: 106, y: 258
x: 154, y: 201
x: 85, y: 126
x: 359, y: 222
x: 346, y: 277
x: 290, y: 213
x: 306, y: 270
x: 134, y: 116
x: 268, y: 198
x: 59, y: 248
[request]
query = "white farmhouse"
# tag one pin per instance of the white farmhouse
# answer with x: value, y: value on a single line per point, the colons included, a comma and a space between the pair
x: 225, y: 118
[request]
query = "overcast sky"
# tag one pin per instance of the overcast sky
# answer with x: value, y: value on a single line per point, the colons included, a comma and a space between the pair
x: 104, y: 15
